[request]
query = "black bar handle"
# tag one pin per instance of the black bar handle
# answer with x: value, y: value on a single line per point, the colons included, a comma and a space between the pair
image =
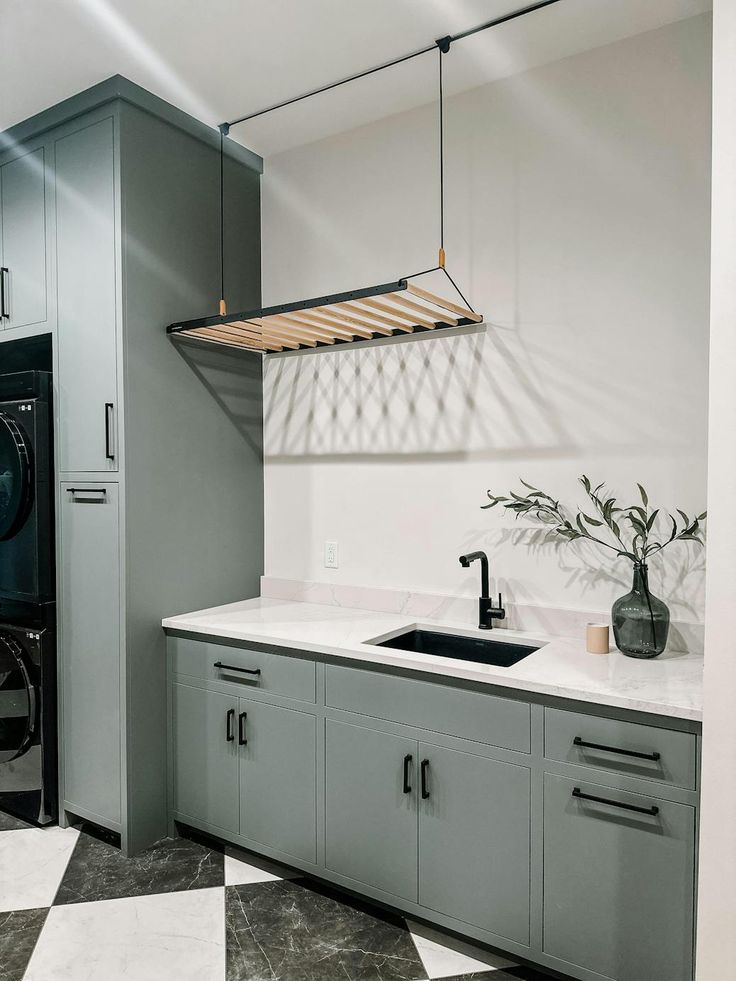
x: 407, y: 764
x: 87, y: 490
x: 242, y: 734
x: 229, y: 719
x: 232, y: 667
x: 4, y: 315
x: 425, y: 789
x: 109, y: 450
x: 577, y: 741
x: 652, y: 811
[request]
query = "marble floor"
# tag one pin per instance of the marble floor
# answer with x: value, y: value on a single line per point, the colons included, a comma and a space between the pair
x: 72, y: 908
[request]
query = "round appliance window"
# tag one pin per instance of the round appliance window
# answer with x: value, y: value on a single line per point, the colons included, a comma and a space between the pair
x: 17, y: 701
x: 16, y: 488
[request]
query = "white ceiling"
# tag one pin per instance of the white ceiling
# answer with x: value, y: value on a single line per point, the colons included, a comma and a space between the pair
x: 219, y: 59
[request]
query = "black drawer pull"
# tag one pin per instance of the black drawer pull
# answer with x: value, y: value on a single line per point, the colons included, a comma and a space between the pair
x: 407, y: 763
x: 4, y: 315
x: 242, y: 736
x: 425, y: 788
x: 232, y: 667
x: 577, y: 741
x: 652, y: 811
x: 229, y: 719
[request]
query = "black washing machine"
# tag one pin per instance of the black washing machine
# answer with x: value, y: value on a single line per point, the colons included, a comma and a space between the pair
x: 28, y: 738
x: 26, y: 487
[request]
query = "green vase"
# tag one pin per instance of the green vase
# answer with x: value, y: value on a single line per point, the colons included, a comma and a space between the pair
x: 641, y: 621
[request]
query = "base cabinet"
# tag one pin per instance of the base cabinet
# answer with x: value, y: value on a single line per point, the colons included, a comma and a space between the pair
x: 587, y: 870
x: 618, y: 883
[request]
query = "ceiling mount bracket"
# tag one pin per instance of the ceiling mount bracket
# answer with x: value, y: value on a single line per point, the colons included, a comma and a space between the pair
x: 224, y: 129
x: 443, y: 43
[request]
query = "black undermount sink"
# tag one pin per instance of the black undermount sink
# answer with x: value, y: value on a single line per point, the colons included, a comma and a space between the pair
x: 482, y: 651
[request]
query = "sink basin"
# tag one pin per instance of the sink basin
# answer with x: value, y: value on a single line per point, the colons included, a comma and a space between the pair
x: 459, y: 647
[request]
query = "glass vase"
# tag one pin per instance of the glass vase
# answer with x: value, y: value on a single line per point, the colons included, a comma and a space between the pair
x: 641, y: 621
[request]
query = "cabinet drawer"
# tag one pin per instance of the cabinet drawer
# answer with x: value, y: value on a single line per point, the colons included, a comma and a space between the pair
x: 627, y: 748
x: 473, y: 715
x: 277, y: 674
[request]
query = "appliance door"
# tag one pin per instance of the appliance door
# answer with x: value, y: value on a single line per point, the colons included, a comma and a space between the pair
x: 16, y: 483
x: 17, y: 701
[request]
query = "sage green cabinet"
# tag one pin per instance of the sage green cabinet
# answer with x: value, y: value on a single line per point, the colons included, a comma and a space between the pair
x: 86, y: 292
x: 618, y: 884
x: 205, y: 757
x: 370, y: 817
x: 23, y: 234
x: 278, y: 778
x: 90, y: 622
x: 474, y: 833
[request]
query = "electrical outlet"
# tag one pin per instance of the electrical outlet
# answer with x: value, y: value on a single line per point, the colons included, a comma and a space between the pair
x: 331, y: 555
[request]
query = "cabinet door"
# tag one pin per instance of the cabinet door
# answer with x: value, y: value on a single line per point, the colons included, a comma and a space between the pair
x: 90, y: 648
x: 618, y: 884
x: 23, y: 233
x: 474, y: 828
x: 278, y: 778
x: 371, y: 823
x: 205, y: 756
x: 86, y: 264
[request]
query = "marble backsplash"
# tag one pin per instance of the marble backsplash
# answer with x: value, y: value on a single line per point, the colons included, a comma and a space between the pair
x: 684, y: 635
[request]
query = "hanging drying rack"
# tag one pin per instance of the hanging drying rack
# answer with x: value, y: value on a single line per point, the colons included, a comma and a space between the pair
x: 400, y: 307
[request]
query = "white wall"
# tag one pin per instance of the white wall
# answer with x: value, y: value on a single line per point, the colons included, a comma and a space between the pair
x: 717, y: 892
x: 578, y: 222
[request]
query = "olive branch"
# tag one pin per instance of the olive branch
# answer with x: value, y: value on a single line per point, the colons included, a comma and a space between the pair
x: 632, y: 532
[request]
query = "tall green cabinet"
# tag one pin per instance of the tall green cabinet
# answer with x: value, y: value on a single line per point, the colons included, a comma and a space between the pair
x: 109, y: 230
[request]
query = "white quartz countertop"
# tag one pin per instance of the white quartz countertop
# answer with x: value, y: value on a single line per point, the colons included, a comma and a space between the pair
x: 670, y: 685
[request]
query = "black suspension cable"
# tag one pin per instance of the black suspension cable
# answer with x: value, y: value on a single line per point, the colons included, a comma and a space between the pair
x: 441, y: 54
x: 223, y: 306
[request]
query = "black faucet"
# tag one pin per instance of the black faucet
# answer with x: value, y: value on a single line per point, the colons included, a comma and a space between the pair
x: 487, y: 612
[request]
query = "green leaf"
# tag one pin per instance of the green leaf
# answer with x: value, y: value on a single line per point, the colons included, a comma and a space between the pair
x: 592, y: 521
x: 684, y: 517
x: 652, y: 519
x: 644, y: 496
x: 529, y: 486
x: 703, y: 516
x: 586, y: 483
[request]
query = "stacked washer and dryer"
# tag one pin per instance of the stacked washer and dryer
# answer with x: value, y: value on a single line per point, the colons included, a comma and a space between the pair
x: 28, y: 722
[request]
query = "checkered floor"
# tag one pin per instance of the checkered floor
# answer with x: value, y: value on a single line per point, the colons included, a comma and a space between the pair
x: 72, y: 908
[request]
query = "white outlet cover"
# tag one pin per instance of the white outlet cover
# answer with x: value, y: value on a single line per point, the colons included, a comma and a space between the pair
x: 331, y: 555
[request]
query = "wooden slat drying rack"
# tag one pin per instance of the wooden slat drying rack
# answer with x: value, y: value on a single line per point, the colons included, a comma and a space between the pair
x: 361, y: 315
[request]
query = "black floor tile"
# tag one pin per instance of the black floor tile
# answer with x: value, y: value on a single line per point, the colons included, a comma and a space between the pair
x: 97, y: 870
x: 293, y: 931
x: 10, y: 823
x: 18, y: 935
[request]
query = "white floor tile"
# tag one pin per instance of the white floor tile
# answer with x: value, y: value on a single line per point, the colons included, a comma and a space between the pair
x: 446, y: 957
x: 242, y: 868
x: 178, y: 936
x: 32, y: 863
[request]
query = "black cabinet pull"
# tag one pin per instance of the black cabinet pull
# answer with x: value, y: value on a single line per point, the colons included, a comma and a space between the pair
x: 232, y: 667
x: 229, y: 719
x: 4, y: 314
x: 87, y: 490
x: 407, y: 763
x: 425, y: 789
x: 242, y: 736
x: 109, y: 451
x: 652, y: 811
x: 577, y: 741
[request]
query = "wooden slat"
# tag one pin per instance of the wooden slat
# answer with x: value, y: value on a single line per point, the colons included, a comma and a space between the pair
x: 353, y: 314
x: 274, y: 330
x: 358, y: 328
x: 320, y: 334
x: 404, y: 316
x: 266, y: 334
x: 247, y: 330
x: 445, y: 304
x: 231, y: 337
x: 234, y: 346
x: 436, y: 316
x: 343, y: 332
x: 393, y: 322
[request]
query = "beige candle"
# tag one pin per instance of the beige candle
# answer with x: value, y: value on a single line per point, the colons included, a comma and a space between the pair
x: 596, y: 636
